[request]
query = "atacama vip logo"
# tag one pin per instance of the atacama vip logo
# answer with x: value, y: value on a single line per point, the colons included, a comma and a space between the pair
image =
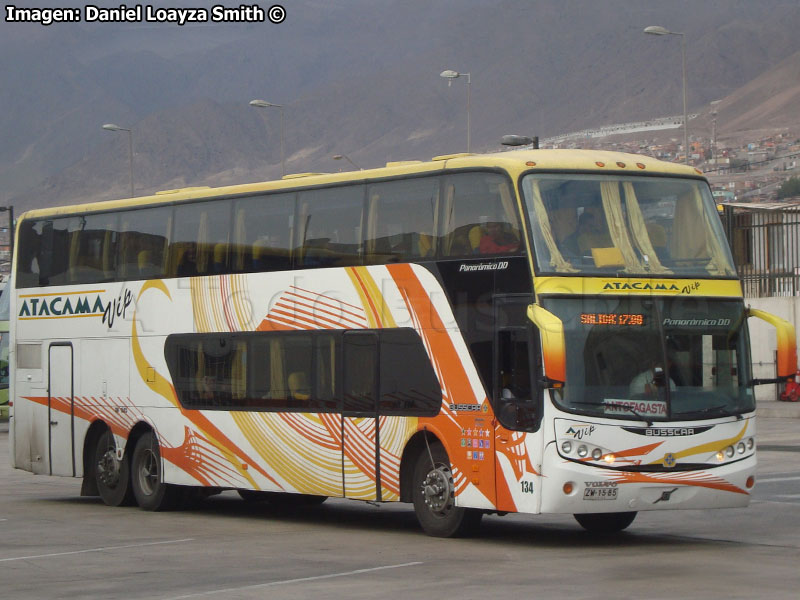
x: 60, y: 306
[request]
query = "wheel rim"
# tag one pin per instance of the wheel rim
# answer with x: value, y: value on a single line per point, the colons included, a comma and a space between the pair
x: 148, y: 472
x: 108, y: 467
x: 437, y: 490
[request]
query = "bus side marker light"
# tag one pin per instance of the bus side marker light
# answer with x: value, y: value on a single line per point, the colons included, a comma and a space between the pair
x: 621, y: 165
x: 244, y: 466
x: 476, y: 481
x: 474, y: 468
x: 569, y: 487
x: 600, y: 164
x: 530, y: 163
x: 641, y: 165
x: 751, y: 481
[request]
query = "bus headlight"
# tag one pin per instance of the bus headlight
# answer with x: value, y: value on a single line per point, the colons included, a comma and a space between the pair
x: 740, y: 447
x: 750, y: 443
x: 566, y: 447
x: 597, y: 454
x: 729, y: 451
x: 583, y: 451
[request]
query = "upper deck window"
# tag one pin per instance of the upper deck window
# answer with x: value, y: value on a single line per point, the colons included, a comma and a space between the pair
x: 591, y: 224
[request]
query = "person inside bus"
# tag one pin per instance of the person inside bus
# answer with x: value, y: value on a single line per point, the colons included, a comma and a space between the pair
x: 647, y: 383
x: 564, y: 224
x: 497, y: 239
x: 593, y: 230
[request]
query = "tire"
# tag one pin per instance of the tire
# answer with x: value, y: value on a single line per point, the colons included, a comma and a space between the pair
x: 111, y: 475
x: 150, y: 491
x: 605, y: 522
x: 433, y: 493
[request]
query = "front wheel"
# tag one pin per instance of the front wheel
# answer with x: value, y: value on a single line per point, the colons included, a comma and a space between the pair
x: 605, y: 522
x: 146, y: 478
x: 434, y: 496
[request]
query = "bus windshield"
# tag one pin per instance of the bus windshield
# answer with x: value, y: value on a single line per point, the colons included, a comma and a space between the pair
x: 604, y: 224
x: 655, y: 359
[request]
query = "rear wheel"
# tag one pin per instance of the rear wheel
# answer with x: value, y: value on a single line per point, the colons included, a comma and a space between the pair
x: 146, y: 478
x: 605, y: 522
x: 111, y: 473
x: 434, y: 497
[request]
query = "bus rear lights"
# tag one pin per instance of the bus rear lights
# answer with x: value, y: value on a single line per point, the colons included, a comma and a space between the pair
x: 751, y: 481
x: 568, y: 488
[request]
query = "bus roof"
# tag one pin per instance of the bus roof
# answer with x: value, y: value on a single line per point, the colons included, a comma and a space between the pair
x: 514, y: 161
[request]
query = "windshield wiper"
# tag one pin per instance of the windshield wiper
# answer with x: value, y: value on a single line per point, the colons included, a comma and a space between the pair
x: 617, y: 405
x: 723, y: 409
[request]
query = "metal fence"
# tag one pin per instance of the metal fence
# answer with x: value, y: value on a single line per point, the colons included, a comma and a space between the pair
x: 765, y: 241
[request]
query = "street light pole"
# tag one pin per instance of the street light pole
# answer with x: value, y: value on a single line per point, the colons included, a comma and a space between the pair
x: 347, y: 158
x: 10, y: 211
x: 112, y: 127
x: 658, y: 30
x: 265, y: 104
x: 450, y: 75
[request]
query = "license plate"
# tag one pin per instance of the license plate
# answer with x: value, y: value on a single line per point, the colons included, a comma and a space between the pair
x: 600, y: 494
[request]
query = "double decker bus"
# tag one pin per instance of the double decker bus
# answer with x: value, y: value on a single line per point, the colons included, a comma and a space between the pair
x: 534, y: 331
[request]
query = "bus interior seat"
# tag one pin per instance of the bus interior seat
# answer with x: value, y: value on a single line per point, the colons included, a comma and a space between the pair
x: 298, y: 386
x: 219, y: 258
x: 475, y: 235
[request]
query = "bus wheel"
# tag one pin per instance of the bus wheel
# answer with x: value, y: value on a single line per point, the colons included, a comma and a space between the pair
x: 434, y: 497
x: 150, y: 491
x: 111, y: 474
x: 605, y: 522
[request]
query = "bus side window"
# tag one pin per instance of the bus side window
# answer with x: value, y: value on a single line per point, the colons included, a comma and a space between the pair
x: 143, y: 238
x: 401, y: 219
x: 262, y: 233
x: 29, y: 255
x: 330, y: 227
x: 479, y: 216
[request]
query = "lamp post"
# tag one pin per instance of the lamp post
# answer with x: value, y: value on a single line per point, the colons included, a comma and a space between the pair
x: 112, y: 127
x: 10, y: 211
x: 714, y: 134
x: 347, y: 158
x: 265, y: 104
x: 658, y: 30
x: 450, y: 75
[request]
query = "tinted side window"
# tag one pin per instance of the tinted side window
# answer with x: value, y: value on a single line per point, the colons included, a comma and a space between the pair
x: 360, y: 360
x: 330, y: 227
x: 401, y: 220
x: 263, y: 233
x: 408, y: 384
x: 143, y: 241
x: 199, y: 243
x: 93, y: 248
x: 479, y: 216
x: 29, y: 253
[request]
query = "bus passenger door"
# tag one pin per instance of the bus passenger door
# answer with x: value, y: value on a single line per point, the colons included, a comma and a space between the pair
x: 360, y: 434
x: 517, y: 405
x: 60, y: 409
